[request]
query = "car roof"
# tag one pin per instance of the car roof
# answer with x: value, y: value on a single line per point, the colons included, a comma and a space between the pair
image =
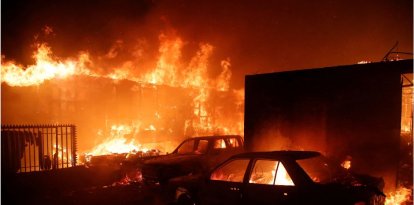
x: 215, y: 137
x: 285, y: 154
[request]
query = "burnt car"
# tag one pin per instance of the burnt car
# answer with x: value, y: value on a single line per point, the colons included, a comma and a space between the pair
x: 280, y: 177
x: 192, y: 157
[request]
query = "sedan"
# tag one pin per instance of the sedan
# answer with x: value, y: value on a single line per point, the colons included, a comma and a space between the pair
x: 281, y: 177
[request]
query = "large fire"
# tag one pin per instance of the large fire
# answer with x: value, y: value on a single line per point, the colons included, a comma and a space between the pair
x: 169, y: 70
x: 166, y: 72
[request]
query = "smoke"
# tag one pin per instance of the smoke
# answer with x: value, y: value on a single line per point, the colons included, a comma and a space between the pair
x: 258, y: 36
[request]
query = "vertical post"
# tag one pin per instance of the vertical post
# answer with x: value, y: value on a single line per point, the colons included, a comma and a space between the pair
x: 51, y: 130
x: 10, y: 138
x: 61, y: 143
x: 41, y: 151
x: 74, y: 143
x: 18, y: 146
x: 56, y: 155
x: 47, y: 140
x: 26, y: 134
x: 33, y: 137
x: 52, y: 143
x: 67, y: 146
x: 24, y: 149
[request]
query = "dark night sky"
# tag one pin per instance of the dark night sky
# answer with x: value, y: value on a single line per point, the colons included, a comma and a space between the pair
x: 257, y: 35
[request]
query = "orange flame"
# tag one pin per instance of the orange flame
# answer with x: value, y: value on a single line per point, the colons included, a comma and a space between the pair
x: 117, y: 142
x: 282, y: 177
x: 346, y: 164
x: 224, y: 77
x: 44, y: 69
x: 169, y: 69
x: 121, y: 141
x: 166, y: 69
x: 267, y: 175
x: 407, y: 109
x: 400, y: 196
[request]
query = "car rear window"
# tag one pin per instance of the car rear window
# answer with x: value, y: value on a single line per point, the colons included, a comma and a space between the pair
x: 232, y: 171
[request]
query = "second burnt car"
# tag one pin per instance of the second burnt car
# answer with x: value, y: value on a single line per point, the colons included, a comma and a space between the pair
x: 280, y: 177
x: 194, y: 156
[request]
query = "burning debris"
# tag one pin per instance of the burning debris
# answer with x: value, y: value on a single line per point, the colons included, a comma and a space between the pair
x: 132, y: 176
x: 117, y: 143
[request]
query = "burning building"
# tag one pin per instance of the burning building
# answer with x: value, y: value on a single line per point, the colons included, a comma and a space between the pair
x: 122, y: 111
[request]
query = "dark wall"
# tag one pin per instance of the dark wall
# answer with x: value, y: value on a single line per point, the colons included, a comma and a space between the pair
x: 340, y: 111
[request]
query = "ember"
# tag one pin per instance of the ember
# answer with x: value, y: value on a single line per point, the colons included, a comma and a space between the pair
x: 347, y: 162
x: 132, y: 176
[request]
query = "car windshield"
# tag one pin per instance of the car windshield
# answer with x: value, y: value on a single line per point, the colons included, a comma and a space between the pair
x: 321, y: 170
x: 193, y: 147
x: 186, y: 148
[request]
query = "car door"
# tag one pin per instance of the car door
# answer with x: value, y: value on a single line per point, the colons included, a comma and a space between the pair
x: 225, y: 183
x: 218, y: 152
x: 268, y: 183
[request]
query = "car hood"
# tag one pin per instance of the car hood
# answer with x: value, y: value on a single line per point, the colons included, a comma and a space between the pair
x: 357, y: 180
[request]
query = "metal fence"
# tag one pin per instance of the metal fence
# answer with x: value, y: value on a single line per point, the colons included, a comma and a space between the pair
x: 27, y: 148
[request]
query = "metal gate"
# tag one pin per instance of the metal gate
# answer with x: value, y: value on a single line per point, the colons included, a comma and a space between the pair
x: 27, y: 148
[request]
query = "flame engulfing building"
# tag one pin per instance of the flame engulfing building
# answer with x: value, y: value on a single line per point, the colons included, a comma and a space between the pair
x: 117, y: 109
x: 349, y: 113
x: 138, y: 113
